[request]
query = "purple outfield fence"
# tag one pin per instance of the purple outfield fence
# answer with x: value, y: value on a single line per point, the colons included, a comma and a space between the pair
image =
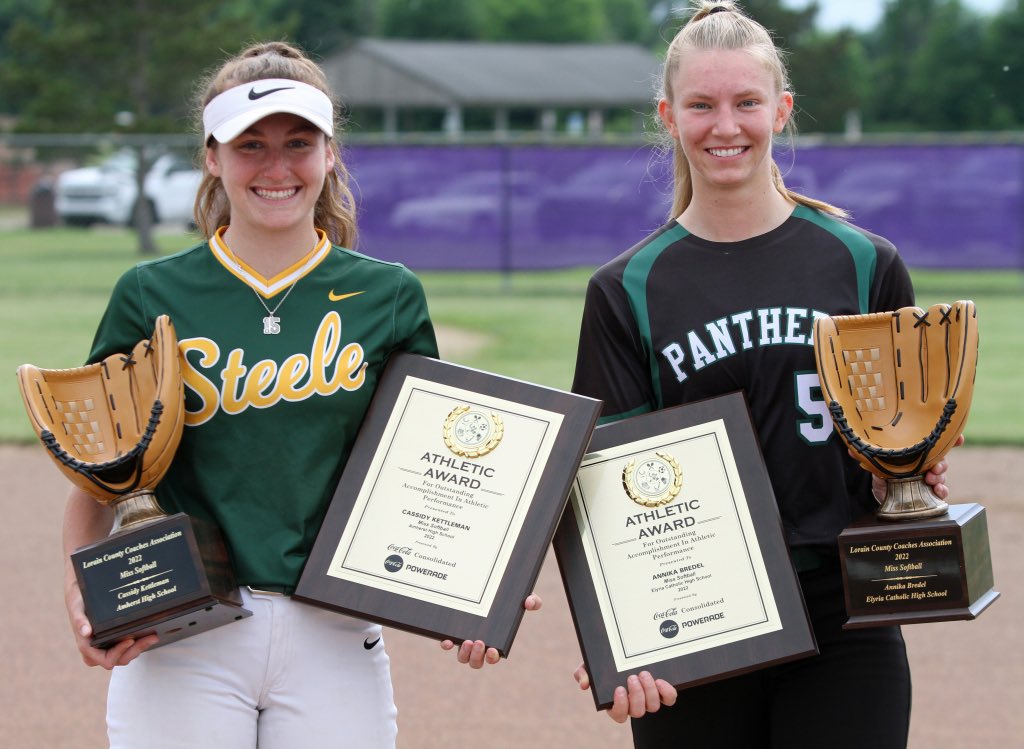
x: 495, y: 207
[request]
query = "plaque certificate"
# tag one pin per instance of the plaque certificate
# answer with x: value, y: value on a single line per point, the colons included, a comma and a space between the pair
x: 674, y: 541
x: 431, y: 523
x: 682, y: 577
x: 447, y: 504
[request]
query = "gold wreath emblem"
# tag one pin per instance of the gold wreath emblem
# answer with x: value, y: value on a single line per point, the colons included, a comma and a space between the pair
x: 472, y: 434
x: 655, y: 482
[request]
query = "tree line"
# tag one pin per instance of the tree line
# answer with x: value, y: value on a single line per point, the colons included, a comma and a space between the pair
x: 73, y: 65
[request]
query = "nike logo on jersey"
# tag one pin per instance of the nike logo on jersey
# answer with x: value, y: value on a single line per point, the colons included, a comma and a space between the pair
x: 254, y: 95
x: 338, y: 297
x: 370, y: 644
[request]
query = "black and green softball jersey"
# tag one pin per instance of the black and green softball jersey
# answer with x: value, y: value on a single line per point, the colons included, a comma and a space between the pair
x: 678, y: 318
x: 270, y: 419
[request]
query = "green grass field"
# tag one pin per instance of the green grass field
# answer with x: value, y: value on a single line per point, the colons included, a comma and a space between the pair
x: 55, y: 284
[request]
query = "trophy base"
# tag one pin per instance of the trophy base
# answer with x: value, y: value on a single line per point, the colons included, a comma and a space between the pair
x: 922, y: 570
x: 176, y: 624
x: 171, y: 577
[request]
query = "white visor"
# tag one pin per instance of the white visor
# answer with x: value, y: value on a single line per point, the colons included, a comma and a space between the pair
x: 230, y: 113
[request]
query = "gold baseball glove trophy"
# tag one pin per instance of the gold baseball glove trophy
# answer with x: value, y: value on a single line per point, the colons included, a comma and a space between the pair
x: 898, y: 386
x: 112, y: 428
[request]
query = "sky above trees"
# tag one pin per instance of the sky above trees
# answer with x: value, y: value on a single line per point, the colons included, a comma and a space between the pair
x: 863, y: 15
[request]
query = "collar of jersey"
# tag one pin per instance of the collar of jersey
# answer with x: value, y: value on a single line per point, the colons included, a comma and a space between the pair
x: 268, y: 287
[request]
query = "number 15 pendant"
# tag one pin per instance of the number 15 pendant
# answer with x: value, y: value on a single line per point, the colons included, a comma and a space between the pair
x: 270, y: 325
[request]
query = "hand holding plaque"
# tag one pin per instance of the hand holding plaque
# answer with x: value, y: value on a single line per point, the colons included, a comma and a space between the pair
x: 112, y: 428
x: 899, y: 386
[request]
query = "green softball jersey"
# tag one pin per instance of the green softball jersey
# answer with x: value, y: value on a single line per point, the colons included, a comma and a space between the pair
x: 678, y: 318
x: 270, y: 418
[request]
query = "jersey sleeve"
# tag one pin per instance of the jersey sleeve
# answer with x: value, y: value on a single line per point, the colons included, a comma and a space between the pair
x: 611, y: 364
x: 124, y: 322
x: 892, y: 287
x: 413, y: 330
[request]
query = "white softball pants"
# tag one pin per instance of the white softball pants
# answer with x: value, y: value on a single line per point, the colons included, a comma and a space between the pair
x: 291, y: 676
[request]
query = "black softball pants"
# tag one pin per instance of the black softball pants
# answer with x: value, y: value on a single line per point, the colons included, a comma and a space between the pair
x: 855, y: 694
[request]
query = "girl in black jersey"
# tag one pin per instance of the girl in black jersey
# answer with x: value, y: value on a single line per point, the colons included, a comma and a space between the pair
x: 723, y: 298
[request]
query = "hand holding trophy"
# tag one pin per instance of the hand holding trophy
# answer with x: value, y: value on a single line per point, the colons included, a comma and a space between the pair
x: 899, y: 386
x: 112, y: 428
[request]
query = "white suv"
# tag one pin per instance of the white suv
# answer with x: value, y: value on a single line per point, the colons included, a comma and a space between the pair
x: 107, y: 193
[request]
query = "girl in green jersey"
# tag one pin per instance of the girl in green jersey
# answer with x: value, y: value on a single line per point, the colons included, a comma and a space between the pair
x: 283, y: 333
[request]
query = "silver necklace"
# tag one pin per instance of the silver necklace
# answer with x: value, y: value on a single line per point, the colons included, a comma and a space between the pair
x: 271, y: 324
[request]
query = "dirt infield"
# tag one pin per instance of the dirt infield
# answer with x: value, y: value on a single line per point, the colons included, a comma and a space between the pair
x: 968, y: 676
